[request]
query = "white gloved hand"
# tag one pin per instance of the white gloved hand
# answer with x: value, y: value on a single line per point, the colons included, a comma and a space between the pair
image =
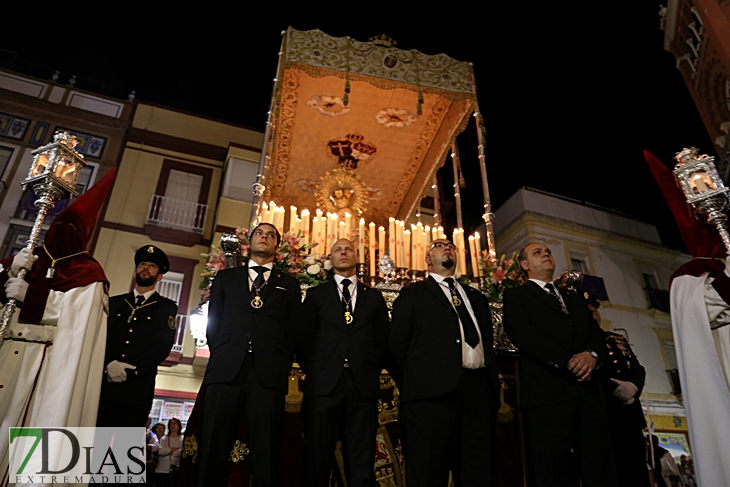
x: 117, y: 371
x: 22, y: 260
x: 16, y: 288
x: 727, y: 265
x: 625, y: 391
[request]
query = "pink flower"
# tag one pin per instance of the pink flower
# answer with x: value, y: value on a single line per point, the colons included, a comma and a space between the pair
x: 509, y: 263
x: 499, y: 275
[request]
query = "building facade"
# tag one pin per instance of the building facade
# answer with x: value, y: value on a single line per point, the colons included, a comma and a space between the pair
x: 697, y: 33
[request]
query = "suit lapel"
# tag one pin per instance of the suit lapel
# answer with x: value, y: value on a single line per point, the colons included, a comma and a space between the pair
x: 436, y: 289
x: 243, y: 284
x: 268, y: 290
x: 545, y: 297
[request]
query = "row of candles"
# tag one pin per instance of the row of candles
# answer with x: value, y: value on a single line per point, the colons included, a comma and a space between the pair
x: 407, y: 247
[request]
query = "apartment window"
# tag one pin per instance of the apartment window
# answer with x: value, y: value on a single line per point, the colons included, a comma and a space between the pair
x: 171, y: 285
x: 239, y: 178
x: 578, y: 265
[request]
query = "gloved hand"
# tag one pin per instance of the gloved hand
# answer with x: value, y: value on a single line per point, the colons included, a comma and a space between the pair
x: 117, y: 371
x: 727, y: 265
x: 16, y: 288
x: 625, y: 391
x: 22, y: 260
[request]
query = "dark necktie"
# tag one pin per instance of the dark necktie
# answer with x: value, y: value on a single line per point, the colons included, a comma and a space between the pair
x: 259, y: 281
x: 470, y: 330
x: 552, y: 292
x: 140, y: 300
x: 346, y: 298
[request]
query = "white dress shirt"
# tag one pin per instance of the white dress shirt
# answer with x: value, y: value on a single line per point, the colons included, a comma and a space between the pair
x: 471, y: 358
x: 253, y: 274
x: 352, y: 288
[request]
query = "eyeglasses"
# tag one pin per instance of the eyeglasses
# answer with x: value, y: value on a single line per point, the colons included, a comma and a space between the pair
x: 442, y: 245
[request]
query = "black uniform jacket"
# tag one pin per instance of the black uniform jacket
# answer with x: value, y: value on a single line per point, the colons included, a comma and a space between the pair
x: 328, y: 340
x: 425, y: 340
x: 271, y: 330
x: 143, y: 339
x: 547, y: 338
x: 621, y: 363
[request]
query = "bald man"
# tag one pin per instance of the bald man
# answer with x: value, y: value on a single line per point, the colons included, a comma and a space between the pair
x: 343, y: 352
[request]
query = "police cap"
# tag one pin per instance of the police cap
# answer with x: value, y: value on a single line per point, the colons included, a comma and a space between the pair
x: 150, y: 253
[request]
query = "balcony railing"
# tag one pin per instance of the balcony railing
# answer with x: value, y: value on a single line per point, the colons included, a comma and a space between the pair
x: 180, y: 325
x: 187, y: 216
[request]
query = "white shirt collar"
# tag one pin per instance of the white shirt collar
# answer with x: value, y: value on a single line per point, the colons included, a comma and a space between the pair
x: 146, y: 295
x: 339, y: 279
x: 439, y: 278
x: 269, y: 266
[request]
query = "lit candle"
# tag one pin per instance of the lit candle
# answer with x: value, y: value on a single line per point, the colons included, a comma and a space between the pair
x: 305, y: 227
x: 272, y: 213
x: 473, y: 251
x: 348, y: 227
x: 399, y: 244
x: 407, y: 250
x: 361, y: 241
x: 391, y: 238
x: 279, y: 219
x: 292, y: 219
x: 331, y: 231
x: 371, y: 228
x: 462, y: 250
x: 341, y: 233
x: 478, y: 245
x: 381, y: 242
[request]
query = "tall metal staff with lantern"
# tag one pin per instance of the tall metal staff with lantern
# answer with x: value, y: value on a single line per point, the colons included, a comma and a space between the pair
x: 52, y: 177
x: 702, y: 186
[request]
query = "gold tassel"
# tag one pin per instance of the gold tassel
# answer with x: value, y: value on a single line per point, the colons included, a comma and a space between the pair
x: 506, y: 413
x: 293, y: 399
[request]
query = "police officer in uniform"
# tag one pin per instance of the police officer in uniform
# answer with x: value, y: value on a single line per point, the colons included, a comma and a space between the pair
x: 622, y: 379
x: 140, y: 335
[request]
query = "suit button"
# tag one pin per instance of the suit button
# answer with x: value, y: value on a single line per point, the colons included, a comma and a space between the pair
x: 149, y: 318
x: 131, y: 330
x: 126, y: 342
x: 119, y: 314
x: 123, y: 355
x: 458, y: 341
x: 135, y: 318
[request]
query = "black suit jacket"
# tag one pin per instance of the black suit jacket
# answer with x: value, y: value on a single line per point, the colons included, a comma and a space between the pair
x: 547, y: 339
x: 425, y: 340
x: 271, y: 329
x: 145, y: 342
x: 328, y: 340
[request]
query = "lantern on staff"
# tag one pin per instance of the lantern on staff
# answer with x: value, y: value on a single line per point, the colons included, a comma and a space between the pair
x: 703, y: 188
x: 52, y: 177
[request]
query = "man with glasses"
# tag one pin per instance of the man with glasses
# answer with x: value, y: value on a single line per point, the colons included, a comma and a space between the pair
x: 441, y: 340
x: 140, y: 334
x: 252, y: 326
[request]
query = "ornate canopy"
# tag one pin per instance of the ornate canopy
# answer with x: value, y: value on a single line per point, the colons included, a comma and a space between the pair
x: 362, y: 126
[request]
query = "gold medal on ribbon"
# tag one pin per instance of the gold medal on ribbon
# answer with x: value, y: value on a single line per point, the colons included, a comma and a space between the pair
x: 348, y: 317
x: 456, y: 300
x: 257, y: 302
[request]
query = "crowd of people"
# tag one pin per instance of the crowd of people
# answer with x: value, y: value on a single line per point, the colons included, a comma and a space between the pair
x: 164, y: 447
x: 579, y: 390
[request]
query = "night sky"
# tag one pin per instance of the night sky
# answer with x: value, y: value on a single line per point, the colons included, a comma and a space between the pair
x: 571, y: 95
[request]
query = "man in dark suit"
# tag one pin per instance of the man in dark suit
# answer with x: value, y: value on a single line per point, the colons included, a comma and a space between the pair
x: 560, y: 398
x: 441, y: 340
x: 622, y: 379
x: 140, y: 334
x: 252, y: 326
x: 343, y: 353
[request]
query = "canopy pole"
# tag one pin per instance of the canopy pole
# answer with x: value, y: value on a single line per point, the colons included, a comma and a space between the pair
x: 259, y: 187
x: 457, y: 190
x: 436, y: 201
x: 488, y: 216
